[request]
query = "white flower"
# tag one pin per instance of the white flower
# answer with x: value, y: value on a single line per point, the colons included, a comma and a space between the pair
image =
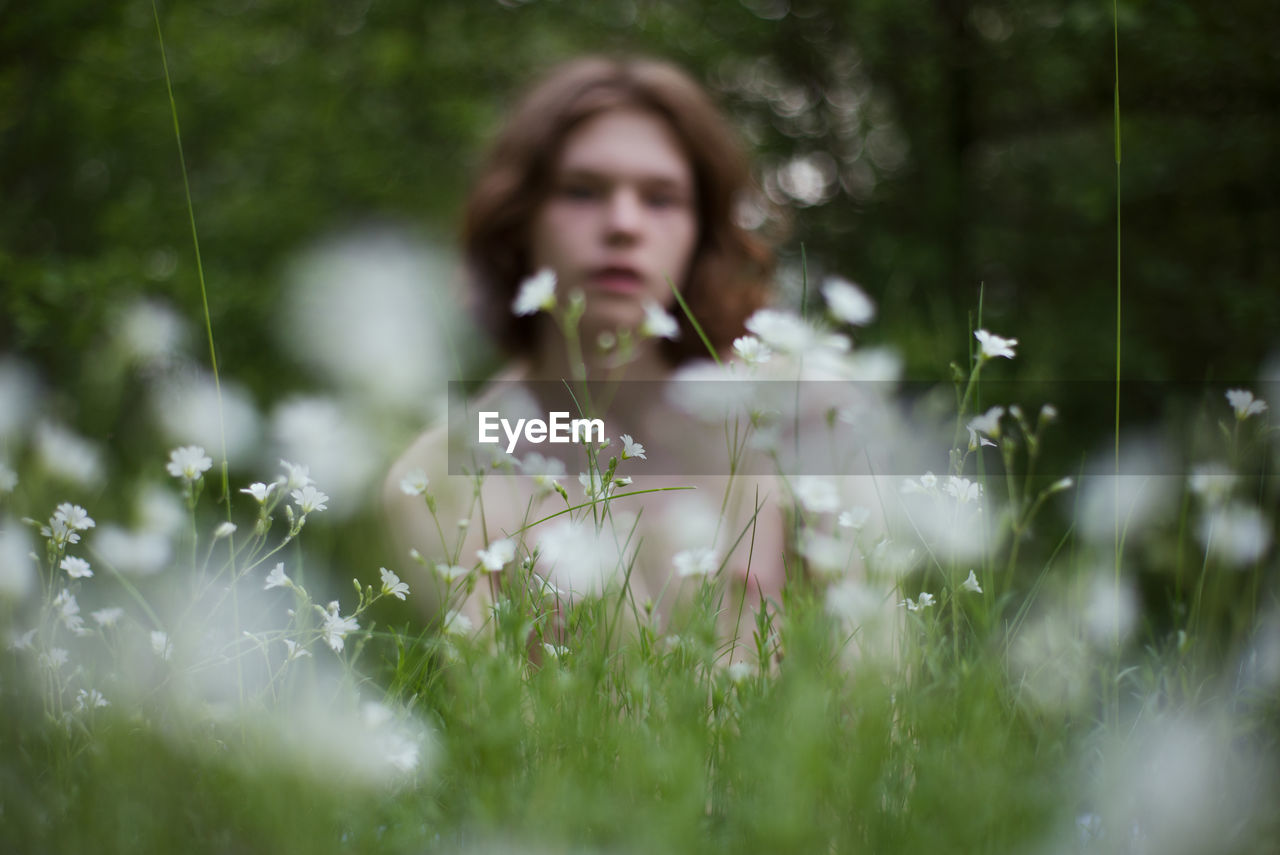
x: 752, y: 350
x: 108, y: 617
x: 555, y: 651
x: 543, y: 470
x: 925, y: 601
x: 188, y: 462
x: 68, y: 611
x: 55, y: 658
x: 631, y: 448
x: 739, y: 672
x: 58, y: 533
x: 993, y: 346
x: 971, y: 584
x: 579, y: 560
x: 977, y: 440
x: 790, y: 333
x: 90, y: 699
x: 392, y: 585
x: 847, y: 301
x: 77, y: 568
x: 499, y: 554
x: 593, y: 487
x: 67, y: 455
x: 336, y: 627
x: 1239, y: 534
x: 537, y: 293
x: 852, y: 602
x: 963, y: 489
x: 260, y: 491
x: 18, y: 575
x: 161, y: 644
x: 824, y: 554
x: 1214, y: 481
x: 142, y: 553
x: 658, y: 323
x: 928, y: 483
x: 1243, y: 402
x: 456, y: 623
x: 277, y: 579
x: 8, y: 478
x: 817, y: 494
x: 451, y: 572
x: 21, y: 640
x: 74, y: 516
x: 854, y: 518
x: 696, y: 562
x: 224, y: 529
x: 295, y: 650
x: 296, y: 475
x: 987, y: 424
x: 414, y: 483
x: 310, y: 499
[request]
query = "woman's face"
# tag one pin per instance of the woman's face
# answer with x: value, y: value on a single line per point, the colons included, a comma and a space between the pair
x: 620, y: 219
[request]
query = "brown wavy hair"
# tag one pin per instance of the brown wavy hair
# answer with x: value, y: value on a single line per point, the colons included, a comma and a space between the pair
x: 731, y: 269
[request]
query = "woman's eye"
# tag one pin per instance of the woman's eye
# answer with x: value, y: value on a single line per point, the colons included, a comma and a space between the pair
x: 663, y: 200
x: 578, y: 191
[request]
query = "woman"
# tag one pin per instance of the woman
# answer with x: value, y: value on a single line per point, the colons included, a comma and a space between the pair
x: 619, y: 179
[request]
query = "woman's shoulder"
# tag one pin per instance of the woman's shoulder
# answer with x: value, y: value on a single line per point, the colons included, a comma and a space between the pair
x: 429, y: 453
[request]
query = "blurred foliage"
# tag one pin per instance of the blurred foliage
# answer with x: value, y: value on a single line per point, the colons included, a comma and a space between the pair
x: 925, y: 150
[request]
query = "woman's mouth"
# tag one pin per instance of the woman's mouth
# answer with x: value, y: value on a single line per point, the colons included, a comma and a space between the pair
x: 617, y: 280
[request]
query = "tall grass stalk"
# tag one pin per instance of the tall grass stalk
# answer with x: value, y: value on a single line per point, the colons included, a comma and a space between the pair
x: 208, y: 320
x: 1115, y: 32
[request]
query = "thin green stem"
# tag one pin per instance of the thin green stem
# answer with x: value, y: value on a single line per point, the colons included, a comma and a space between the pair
x: 204, y: 302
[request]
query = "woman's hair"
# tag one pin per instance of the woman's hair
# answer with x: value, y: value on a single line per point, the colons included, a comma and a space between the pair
x: 730, y: 272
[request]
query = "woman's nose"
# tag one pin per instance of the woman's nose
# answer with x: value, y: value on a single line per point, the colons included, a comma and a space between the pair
x: 623, y: 213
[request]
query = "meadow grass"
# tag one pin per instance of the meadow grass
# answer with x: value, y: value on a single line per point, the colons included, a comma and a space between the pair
x: 1037, y: 688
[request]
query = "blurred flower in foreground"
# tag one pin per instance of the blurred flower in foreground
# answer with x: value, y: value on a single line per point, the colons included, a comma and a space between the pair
x: 149, y: 332
x: 1237, y: 534
x: 1180, y: 785
x: 17, y: 397
x: 188, y: 410
x: 847, y: 302
x: 372, y: 312
x: 188, y: 462
x: 1245, y: 405
x: 67, y: 455
x: 816, y: 494
x: 789, y: 333
x: 1110, y: 610
x: 1133, y: 500
x: 696, y: 562
x: 536, y: 294
x: 751, y: 350
x: 17, y: 568
x: 993, y: 346
x: 658, y: 323
x: 499, y: 554
x: 580, y: 560
x: 337, y: 445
